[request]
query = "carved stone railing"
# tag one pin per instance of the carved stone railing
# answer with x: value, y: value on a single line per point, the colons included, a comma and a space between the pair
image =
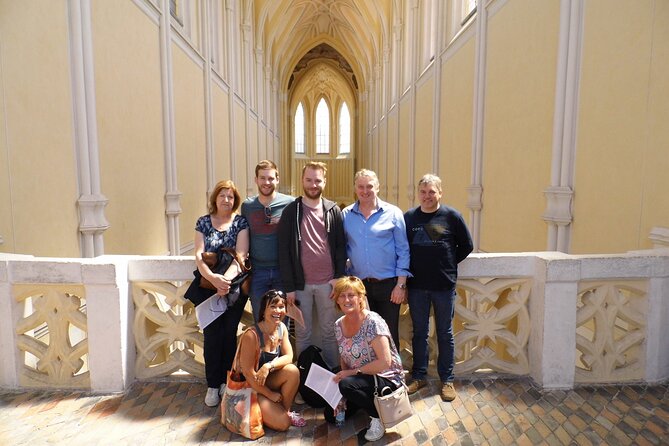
x: 99, y: 324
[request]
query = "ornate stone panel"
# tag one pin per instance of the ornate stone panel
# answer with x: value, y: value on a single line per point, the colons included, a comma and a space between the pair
x: 492, y: 325
x: 167, y: 335
x: 52, y: 336
x: 610, y: 331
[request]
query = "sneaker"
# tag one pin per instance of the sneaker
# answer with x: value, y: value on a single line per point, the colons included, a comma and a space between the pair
x: 298, y: 399
x: 221, y: 391
x: 448, y: 392
x: 213, y: 398
x: 375, y: 431
x: 415, y: 385
x: 296, y: 419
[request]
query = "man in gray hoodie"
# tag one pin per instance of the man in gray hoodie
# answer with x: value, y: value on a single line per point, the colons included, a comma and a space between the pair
x: 311, y: 233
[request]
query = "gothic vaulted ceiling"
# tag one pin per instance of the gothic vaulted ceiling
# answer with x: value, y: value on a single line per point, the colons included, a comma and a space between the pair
x: 288, y: 29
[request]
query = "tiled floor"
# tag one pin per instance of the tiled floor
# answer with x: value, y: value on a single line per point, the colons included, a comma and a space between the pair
x: 487, y: 411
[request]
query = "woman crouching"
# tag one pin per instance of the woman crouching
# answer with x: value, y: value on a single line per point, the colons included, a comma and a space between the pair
x: 366, y: 349
x: 274, y: 377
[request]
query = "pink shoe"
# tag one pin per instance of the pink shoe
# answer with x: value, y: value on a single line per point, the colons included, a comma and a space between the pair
x: 296, y: 419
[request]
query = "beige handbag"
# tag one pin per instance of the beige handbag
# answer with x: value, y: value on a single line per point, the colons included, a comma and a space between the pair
x: 393, y: 406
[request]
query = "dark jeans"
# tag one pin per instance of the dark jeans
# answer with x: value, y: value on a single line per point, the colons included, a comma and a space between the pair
x: 378, y: 296
x: 443, y: 302
x: 220, y: 344
x: 359, y: 393
x: 263, y: 280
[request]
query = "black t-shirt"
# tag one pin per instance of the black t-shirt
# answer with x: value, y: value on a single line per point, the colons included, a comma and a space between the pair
x: 438, y: 241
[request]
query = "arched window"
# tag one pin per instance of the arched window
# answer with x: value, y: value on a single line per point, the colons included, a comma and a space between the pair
x: 344, y: 130
x: 322, y: 127
x: 299, y: 129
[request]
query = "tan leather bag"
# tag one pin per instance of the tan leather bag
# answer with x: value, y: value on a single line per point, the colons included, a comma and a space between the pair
x: 237, y: 266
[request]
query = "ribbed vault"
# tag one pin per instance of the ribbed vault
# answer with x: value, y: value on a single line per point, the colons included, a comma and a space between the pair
x: 289, y: 29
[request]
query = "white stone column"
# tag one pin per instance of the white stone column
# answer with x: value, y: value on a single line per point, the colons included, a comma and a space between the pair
x: 172, y: 194
x: 91, y: 201
x: 559, y: 194
x: 552, y: 346
x: 8, y: 317
x: 475, y: 190
x: 657, y: 328
x: 207, y: 49
x: 110, y: 348
x: 230, y: 38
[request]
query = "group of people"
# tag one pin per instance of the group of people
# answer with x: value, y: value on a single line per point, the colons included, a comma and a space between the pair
x: 363, y: 261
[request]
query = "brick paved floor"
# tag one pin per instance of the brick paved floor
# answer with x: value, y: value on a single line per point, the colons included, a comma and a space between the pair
x: 486, y: 412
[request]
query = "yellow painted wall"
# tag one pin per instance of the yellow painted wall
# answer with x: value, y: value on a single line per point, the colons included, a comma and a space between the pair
x: 404, y: 178
x: 381, y: 131
x: 239, y: 147
x: 391, y: 149
x: 520, y: 91
x: 129, y: 110
x: 655, y: 210
x: 221, y: 132
x: 6, y: 211
x: 252, y: 156
x: 38, y: 148
x: 424, y: 128
x: 455, y: 137
x: 190, y: 141
x: 613, y: 127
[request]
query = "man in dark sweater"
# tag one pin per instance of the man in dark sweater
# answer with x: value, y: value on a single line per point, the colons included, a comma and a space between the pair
x: 312, y: 253
x: 438, y: 241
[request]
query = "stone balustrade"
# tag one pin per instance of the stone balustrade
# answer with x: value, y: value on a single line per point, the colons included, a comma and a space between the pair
x: 99, y: 324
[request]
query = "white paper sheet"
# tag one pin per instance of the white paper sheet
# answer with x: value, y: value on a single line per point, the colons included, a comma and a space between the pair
x: 320, y: 380
x: 210, y: 309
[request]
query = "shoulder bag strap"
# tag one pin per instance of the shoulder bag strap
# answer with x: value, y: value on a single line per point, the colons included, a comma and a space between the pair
x: 235, y: 361
x: 376, y: 381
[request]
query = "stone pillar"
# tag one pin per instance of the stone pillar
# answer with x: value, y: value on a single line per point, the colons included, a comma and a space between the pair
x: 657, y: 329
x: 8, y: 317
x: 553, y: 314
x: 108, y: 313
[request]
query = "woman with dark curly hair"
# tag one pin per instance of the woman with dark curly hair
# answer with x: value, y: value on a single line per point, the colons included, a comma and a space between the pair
x: 274, y: 377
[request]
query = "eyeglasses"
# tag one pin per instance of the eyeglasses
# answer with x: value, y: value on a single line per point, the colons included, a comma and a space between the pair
x: 271, y: 294
x: 268, y: 215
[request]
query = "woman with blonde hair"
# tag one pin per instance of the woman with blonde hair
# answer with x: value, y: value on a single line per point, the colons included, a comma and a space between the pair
x: 222, y: 227
x: 366, y: 348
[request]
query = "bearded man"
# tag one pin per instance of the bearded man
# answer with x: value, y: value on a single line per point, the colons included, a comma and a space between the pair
x: 312, y: 254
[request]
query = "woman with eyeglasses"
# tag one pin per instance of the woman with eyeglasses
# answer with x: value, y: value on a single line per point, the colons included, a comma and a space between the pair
x: 222, y: 227
x: 366, y: 348
x: 274, y: 376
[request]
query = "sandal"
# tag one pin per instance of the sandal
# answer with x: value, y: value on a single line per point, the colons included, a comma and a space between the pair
x: 296, y: 419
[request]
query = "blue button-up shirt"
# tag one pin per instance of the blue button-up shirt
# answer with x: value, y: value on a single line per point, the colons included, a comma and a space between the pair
x: 376, y: 247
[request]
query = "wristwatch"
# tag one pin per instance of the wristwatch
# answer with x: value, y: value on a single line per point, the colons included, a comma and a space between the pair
x: 402, y: 286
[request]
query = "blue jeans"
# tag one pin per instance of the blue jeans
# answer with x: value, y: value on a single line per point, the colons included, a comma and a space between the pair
x: 443, y: 302
x: 263, y: 280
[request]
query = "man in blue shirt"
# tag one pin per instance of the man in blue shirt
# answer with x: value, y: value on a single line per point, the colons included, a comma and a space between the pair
x: 377, y: 247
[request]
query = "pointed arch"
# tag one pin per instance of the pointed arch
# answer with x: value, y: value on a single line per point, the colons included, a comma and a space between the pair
x: 299, y: 130
x: 344, y: 129
x: 322, y: 121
